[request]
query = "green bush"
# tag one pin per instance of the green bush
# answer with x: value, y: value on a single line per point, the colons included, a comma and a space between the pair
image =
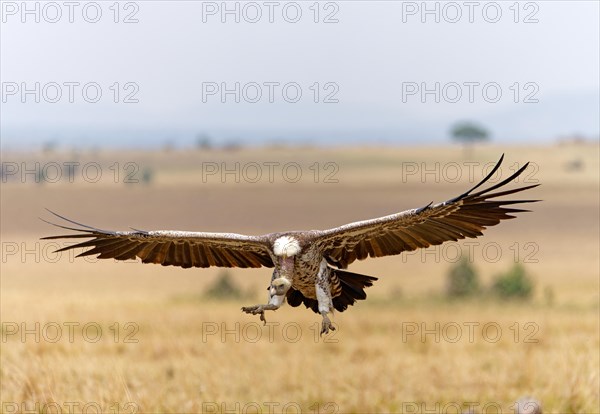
x: 147, y: 175
x: 515, y: 283
x: 462, y: 279
x: 224, y: 288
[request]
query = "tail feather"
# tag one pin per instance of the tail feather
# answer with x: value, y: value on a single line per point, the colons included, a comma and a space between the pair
x: 352, y: 289
x: 295, y: 298
x: 353, y: 285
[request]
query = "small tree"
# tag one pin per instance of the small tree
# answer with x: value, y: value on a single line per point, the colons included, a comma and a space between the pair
x: 462, y: 279
x: 49, y: 147
x: 515, y: 283
x: 40, y: 177
x: 203, y: 142
x: 224, y: 288
x: 147, y: 175
x: 469, y: 133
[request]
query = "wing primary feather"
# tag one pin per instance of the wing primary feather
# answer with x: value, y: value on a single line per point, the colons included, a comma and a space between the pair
x: 112, y: 251
x: 139, y: 231
x: 131, y: 252
x: 490, y: 175
x: 68, y: 236
x: 65, y: 227
x: 421, y: 209
x: 514, y: 190
x: 504, y: 182
x: 79, y: 224
x: 96, y: 243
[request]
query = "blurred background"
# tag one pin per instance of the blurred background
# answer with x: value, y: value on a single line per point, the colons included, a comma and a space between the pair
x: 254, y: 117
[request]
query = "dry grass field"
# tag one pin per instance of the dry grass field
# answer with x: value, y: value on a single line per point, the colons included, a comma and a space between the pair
x: 88, y: 335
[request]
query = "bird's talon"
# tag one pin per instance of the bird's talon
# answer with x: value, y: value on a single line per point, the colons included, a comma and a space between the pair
x: 326, y: 326
x: 256, y: 310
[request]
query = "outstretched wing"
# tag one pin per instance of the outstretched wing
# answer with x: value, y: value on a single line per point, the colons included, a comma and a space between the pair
x: 464, y: 216
x: 170, y: 248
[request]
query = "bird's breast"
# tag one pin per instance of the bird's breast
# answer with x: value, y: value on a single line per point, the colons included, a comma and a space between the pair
x: 306, y: 268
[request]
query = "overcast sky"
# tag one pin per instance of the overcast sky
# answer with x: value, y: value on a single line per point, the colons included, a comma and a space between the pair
x: 528, y: 71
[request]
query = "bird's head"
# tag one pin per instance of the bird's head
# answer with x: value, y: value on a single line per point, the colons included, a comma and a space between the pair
x: 279, y: 287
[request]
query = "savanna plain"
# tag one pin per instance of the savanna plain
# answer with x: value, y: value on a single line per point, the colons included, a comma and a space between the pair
x: 99, y: 335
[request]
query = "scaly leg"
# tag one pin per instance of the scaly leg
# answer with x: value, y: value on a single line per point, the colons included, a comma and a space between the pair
x: 275, y: 302
x: 323, y: 289
x: 326, y: 325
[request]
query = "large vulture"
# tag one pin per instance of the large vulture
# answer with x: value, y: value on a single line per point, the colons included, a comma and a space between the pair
x: 309, y: 266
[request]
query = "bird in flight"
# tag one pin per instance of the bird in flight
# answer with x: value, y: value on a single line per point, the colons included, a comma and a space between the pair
x: 309, y: 267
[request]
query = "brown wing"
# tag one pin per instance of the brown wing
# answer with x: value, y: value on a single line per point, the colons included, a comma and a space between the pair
x: 464, y: 216
x: 171, y: 248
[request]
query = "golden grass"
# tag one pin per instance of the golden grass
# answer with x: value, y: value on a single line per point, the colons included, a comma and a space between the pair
x: 193, y: 355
